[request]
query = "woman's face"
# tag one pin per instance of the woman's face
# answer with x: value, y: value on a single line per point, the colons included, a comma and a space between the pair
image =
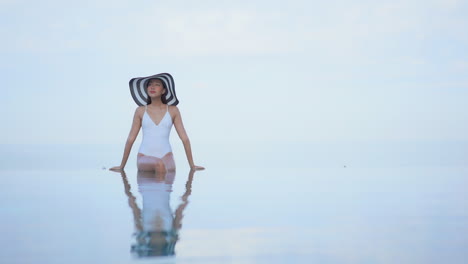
x: 155, y: 88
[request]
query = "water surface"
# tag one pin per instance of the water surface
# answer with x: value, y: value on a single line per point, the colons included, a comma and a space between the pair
x: 328, y: 205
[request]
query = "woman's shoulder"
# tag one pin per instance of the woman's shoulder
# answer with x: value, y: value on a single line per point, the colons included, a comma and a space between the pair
x: 140, y: 110
x: 173, y: 109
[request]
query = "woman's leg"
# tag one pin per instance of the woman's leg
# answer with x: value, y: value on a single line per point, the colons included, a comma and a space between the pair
x: 150, y: 163
x: 160, y: 165
x: 169, y: 162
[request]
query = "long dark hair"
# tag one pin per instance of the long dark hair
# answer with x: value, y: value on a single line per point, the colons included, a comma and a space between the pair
x: 163, y: 96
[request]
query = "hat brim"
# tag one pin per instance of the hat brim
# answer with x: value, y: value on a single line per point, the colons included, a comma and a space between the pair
x: 138, y: 91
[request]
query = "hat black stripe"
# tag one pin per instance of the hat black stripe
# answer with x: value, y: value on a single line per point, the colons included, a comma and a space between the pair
x: 140, y: 85
x: 139, y: 94
x: 132, y: 91
x: 173, y: 85
x: 136, y: 92
x: 168, y: 85
x: 173, y: 90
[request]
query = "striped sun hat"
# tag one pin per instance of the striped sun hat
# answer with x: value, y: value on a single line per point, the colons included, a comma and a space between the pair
x: 138, y: 90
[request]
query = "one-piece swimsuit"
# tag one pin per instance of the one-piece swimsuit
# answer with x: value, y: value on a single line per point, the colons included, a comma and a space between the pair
x: 156, y: 136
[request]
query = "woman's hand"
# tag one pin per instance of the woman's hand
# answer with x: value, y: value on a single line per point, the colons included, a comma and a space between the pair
x: 195, y: 167
x: 116, y: 168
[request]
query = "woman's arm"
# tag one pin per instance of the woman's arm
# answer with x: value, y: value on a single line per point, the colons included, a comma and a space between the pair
x: 179, y: 126
x: 136, y: 125
x: 132, y: 203
x: 178, y: 214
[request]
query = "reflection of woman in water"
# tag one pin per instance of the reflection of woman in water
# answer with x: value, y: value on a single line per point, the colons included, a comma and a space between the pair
x: 156, y: 113
x: 157, y: 228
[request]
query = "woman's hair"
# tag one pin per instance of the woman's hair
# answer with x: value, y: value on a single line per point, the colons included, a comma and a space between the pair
x: 163, y: 96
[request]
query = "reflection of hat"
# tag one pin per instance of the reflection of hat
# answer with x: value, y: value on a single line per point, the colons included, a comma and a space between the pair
x: 147, y: 247
x: 138, y: 89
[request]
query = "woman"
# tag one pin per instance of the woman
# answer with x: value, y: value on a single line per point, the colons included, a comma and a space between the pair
x: 156, y: 114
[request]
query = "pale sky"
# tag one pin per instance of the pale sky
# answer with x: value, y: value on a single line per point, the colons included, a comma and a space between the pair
x: 301, y: 71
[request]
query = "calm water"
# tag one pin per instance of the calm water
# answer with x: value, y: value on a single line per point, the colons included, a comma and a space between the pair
x: 316, y: 203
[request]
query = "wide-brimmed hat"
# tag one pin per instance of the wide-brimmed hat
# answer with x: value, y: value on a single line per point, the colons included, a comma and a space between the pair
x: 138, y: 89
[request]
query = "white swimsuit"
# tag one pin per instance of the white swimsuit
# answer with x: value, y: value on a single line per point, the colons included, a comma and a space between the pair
x: 157, y: 213
x: 156, y: 137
